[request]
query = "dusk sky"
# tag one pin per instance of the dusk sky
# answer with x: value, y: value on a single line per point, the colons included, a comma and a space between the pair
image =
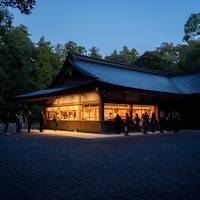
x: 109, y: 24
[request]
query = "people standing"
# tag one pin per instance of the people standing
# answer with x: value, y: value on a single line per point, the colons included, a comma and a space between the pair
x: 169, y: 122
x: 137, y: 122
x: 174, y: 121
x: 41, y: 121
x: 55, y: 121
x: 18, y: 123
x: 145, y: 122
x: 21, y: 120
x: 6, y: 123
x: 162, y: 121
x: 118, y: 124
x: 153, y: 122
x: 29, y: 121
x: 127, y: 124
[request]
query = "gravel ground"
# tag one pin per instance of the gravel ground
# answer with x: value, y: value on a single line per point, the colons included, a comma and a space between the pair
x: 153, y: 167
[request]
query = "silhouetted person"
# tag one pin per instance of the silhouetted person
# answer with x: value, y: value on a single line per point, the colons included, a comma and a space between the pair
x: 118, y: 124
x: 55, y: 121
x: 175, y: 122
x: 18, y: 123
x: 137, y: 122
x: 162, y: 121
x: 169, y: 122
x: 145, y: 122
x: 29, y: 120
x: 41, y: 121
x: 6, y: 122
x: 153, y: 122
x: 127, y: 124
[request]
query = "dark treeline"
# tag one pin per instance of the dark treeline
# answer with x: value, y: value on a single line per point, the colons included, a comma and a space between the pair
x: 26, y: 66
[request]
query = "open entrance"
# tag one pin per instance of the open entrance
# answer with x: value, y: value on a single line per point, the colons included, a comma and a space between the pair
x: 111, y: 110
x: 142, y: 109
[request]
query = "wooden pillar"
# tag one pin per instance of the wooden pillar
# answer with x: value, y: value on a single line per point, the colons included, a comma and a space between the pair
x: 131, y: 113
x: 101, y: 108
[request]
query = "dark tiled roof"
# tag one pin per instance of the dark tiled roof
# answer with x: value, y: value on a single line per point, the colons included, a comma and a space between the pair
x: 133, y: 77
x: 123, y: 75
x: 53, y: 91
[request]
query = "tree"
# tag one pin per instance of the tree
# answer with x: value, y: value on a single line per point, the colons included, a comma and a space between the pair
x: 113, y: 57
x: 72, y: 47
x: 25, y: 6
x: 190, y: 57
x: 125, y: 56
x: 192, y: 28
x: 59, y: 56
x: 16, y: 60
x: 5, y: 20
x: 128, y: 56
x: 169, y: 52
x: 94, y: 52
x: 44, y: 70
x: 152, y: 60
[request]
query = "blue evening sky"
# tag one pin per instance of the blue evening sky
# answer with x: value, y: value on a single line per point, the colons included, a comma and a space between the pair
x: 109, y: 24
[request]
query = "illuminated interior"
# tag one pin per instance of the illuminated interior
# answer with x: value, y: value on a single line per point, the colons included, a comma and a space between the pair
x: 75, y: 107
x: 111, y: 110
x: 142, y: 109
x: 86, y: 107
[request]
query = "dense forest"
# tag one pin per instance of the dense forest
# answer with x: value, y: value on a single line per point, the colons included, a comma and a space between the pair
x: 26, y: 66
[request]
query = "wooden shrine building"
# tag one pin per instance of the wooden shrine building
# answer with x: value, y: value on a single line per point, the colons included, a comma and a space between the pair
x: 87, y: 94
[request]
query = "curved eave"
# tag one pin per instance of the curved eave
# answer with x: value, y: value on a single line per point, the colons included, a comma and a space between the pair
x: 46, y: 93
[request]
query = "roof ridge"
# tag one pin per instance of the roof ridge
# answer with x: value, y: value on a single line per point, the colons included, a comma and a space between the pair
x: 120, y: 65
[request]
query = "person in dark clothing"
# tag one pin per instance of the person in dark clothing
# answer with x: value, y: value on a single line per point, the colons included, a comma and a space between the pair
x: 55, y: 121
x: 175, y: 121
x: 127, y: 124
x: 169, y: 122
x: 29, y: 121
x: 137, y: 122
x: 145, y: 122
x: 118, y: 124
x: 18, y: 124
x: 153, y: 122
x: 6, y: 122
x: 41, y: 121
x: 162, y: 121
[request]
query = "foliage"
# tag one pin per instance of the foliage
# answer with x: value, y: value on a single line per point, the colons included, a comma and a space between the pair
x: 125, y: 56
x: 16, y: 58
x: 25, y: 6
x: 72, y: 47
x: 190, y: 57
x: 94, y: 52
x: 5, y: 21
x: 152, y: 60
x: 192, y: 28
x: 170, y: 52
x: 43, y: 67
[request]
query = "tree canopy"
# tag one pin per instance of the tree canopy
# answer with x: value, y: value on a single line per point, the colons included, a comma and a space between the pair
x: 94, y: 52
x: 25, y: 6
x: 126, y: 56
x: 192, y: 28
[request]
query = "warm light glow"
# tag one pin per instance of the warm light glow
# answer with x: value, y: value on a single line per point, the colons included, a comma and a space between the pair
x: 83, y: 106
x: 111, y: 110
x: 142, y: 109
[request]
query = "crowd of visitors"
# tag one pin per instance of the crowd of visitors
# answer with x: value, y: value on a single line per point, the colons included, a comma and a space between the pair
x: 146, y: 123
x: 22, y: 121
